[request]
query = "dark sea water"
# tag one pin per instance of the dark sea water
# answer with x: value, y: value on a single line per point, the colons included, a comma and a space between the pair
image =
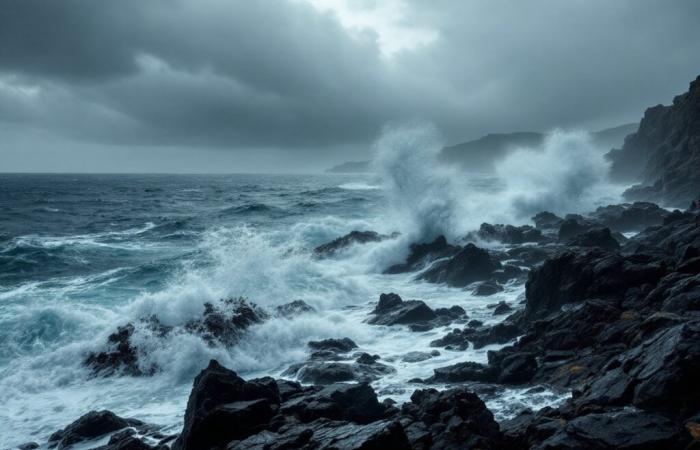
x: 82, y: 254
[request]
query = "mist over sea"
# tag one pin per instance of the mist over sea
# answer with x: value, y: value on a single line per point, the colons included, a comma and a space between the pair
x: 83, y: 254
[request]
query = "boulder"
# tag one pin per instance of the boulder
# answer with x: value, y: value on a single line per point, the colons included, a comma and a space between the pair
x: 90, y: 426
x: 343, y: 345
x: 630, y: 216
x: 547, y: 221
x: 469, y: 265
x: 595, y: 237
x: 392, y: 310
x: 219, y: 397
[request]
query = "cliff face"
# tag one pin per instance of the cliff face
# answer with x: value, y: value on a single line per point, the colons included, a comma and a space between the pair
x: 664, y: 154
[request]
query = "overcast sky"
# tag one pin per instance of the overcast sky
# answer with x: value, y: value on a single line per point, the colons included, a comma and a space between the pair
x: 298, y: 85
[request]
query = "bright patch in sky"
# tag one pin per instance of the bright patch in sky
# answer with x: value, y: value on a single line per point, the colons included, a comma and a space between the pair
x: 387, y: 19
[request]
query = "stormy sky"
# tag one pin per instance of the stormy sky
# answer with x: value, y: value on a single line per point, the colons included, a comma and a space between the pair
x: 298, y: 85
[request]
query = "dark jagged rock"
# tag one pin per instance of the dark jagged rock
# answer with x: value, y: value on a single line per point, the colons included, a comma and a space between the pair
x: 509, y: 234
x: 324, y: 433
x: 221, y: 324
x: 596, y: 237
x: 573, y: 276
x: 664, y: 154
x: 422, y: 254
x: 354, y: 237
x: 293, y: 309
x: 469, y: 265
x: 486, y: 288
x: 28, y: 446
x: 502, y: 308
x: 343, y: 345
x: 572, y: 226
x: 126, y: 441
x: 392, y: 310
x: 547, y: 221
x: 330, y: 364
x: 219, y: 397
x: 451, y: 419
x: 530, y: 256
x: 90, y: 426
x: 630, y: 216
x: 353, y: 402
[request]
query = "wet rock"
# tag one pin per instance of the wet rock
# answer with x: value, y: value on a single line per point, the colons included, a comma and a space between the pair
x: 353, y: 402
x: 422, y: 254
x: 630, y: 216
x: 219, y: 397
x: 486, y: 288
x: 547, y: 221
x: 469, y: 265
x: 354, y: 237
x: 328, y: 434
x: 530, y: 255
x: 90, y: 426
x: 502, y: 308
x: 455, y: 418
x: 222, y: 324
x: 343, y: 345
x: 596, y: 237
x: 618, y: 430
x: 573, y: 226
x: 465, y: 371
x: 292, y: 309
x: 320, y: 372
x: 500, y: 333
x: 28, y: 446
x: 412, y: 357
x: 125, y: 441
x: 392, y: 310
x: 509, y: 234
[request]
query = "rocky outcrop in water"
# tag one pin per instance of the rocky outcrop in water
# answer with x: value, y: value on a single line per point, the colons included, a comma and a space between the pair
x: 664, y: 154
x: 421, y: 254
x: 222, y: 324
x: 354, y: 237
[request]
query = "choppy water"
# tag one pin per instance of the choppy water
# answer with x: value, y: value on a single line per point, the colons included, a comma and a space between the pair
x: 81, y: 254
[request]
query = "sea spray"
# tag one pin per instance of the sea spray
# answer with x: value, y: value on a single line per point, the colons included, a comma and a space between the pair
x: 568, y: 173
x: 421, y: 194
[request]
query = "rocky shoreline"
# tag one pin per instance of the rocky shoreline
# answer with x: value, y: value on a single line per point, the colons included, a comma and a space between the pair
x: 613, y: 320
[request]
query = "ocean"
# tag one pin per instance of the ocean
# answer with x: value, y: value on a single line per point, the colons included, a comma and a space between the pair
x: 83, y: 254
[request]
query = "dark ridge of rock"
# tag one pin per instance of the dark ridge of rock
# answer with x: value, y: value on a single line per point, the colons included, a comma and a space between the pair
x: 126, y: 441
x: 221, y: 324
x: 630, y: 216
x: 486, y: 288
x: 28, y: 446
x: 469, y: 265
x: 547, y: 221
x: 664, y: 154
x: 596, y: 237
x: 90, y: 426
x: 323, y: 372
x: 509, y: 234
x: 292, y: 309
x: 422, y: 254
x: 457, y: 339
x: 343, y: 345
x: 354, y: 237
x: 219, y: 397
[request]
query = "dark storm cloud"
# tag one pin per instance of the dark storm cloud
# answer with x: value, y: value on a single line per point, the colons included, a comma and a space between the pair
x: 280, y: 74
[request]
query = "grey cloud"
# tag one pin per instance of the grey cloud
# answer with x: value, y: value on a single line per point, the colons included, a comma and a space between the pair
x: 278, y: 74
